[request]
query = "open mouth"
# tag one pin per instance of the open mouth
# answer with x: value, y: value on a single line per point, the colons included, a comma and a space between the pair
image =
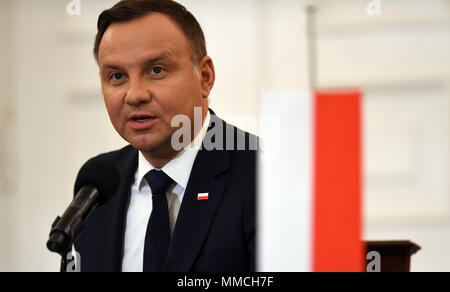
x: 141, y: 119
x: 141, y: 122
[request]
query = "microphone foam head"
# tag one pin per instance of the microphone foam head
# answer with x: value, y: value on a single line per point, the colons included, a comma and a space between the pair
x: 101, y: 174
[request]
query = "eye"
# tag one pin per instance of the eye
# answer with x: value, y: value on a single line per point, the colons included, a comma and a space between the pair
x: 157, y: 71
x: 117, y: 76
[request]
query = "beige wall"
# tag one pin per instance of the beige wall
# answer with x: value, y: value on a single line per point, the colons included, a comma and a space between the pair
x: 8, y: 130
x: 53, y: 118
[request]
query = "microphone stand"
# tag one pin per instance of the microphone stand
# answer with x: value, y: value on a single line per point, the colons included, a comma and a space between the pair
x: 64, y: 264
x: 64, y: 253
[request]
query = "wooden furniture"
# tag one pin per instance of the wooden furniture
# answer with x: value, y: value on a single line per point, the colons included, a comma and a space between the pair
x: 393, y: 256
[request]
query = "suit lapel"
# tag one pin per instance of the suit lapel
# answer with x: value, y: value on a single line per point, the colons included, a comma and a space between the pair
x: 115, y: 214
x: 208, y: 175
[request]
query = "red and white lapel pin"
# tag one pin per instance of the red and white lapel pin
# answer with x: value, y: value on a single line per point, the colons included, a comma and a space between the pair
x: 203, y: 196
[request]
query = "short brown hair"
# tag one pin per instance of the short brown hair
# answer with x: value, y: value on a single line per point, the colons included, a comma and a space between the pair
x: 127, y: 10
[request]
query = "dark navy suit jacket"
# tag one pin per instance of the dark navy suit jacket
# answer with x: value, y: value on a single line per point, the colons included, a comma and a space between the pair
x: 211, y: 235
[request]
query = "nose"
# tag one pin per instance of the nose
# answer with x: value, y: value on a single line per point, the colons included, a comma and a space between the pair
x: 137, y: 93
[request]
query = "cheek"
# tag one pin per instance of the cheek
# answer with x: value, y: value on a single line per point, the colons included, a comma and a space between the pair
x: 113, y: 104
x: 173, y: 105
x: 182, y: 96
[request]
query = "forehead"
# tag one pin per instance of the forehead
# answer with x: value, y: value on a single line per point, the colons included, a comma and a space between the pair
x: 150, y: 34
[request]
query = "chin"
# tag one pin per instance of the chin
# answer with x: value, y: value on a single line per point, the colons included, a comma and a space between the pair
x: 150, y: 144
x: 144, y: 146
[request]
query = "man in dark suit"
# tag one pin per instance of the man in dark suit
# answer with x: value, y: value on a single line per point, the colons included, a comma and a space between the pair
x: 186, y: 197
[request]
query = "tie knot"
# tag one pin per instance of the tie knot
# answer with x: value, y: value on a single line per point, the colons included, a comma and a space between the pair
x: 159, y: 181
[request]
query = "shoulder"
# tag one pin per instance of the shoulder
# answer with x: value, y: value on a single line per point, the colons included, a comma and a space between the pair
x: 241, y: 147
x: 117, y: 157
x: 224, y: 136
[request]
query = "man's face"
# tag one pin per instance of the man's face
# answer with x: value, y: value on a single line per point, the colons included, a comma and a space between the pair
x: 147, y: 78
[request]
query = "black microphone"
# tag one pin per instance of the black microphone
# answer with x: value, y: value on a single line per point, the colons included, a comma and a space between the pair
x: 96, y: 183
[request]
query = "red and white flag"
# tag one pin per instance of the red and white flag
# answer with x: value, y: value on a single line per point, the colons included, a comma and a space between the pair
x: 310, y: 182
x: 203, y: 196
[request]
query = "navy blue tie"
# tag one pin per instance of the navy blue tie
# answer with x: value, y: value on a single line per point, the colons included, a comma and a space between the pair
x: 157, y: 238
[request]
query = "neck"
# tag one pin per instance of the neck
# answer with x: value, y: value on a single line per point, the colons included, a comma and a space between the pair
x: 159, y: 161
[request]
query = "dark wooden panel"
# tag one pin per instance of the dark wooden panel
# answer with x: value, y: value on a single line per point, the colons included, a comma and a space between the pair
x: 395, y: 256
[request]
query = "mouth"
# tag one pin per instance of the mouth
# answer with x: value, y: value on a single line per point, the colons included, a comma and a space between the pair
x: 141, y: 122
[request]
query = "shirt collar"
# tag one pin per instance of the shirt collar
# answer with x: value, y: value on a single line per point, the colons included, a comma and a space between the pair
x: 179, y: 168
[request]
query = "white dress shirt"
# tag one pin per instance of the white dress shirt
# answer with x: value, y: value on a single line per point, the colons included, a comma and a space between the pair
x: 141, y: 204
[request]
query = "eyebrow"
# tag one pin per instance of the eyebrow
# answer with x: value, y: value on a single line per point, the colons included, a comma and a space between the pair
x: 151, y: 60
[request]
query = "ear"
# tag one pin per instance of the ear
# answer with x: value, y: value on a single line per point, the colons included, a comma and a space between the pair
x: 207, y: 75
